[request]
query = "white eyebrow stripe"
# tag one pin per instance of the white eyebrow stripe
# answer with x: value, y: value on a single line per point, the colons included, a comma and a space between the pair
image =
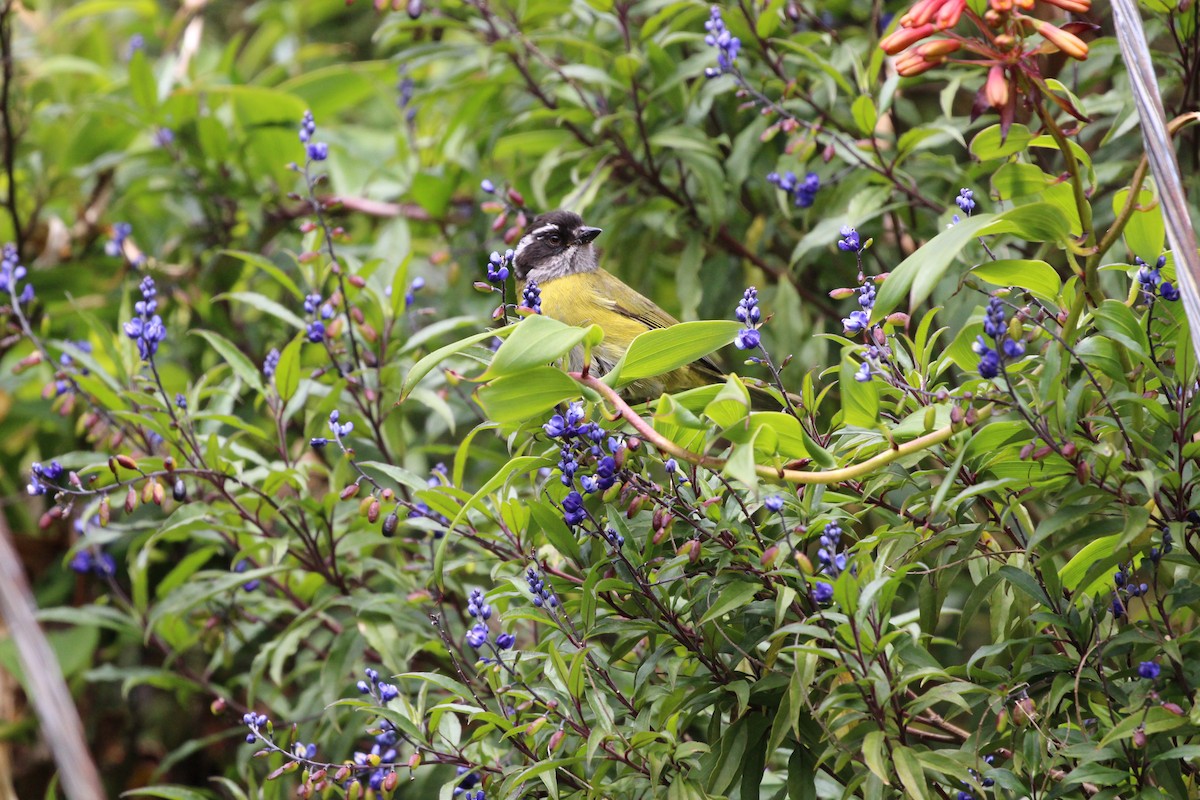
x: 544, y: 229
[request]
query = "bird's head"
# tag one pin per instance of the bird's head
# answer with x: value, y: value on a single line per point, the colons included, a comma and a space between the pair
x: 556, y: 243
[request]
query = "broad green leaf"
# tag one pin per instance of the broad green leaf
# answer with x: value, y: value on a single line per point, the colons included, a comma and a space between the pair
x: 989, y: 143
x: 426, y: 364
x: 1015, y: 180
x: 1036, y: 276
x: 536, y: 341
x: 659, y: 351
x: 860, y: 399
x: 731, y: 404
x: 918, y: 274
x: 519, y: 397
x: 287, y: 372
x: 266, y: 305
x: 167, y: 792
x: 241, y: 366
x: 865, y: 114
x: 911, y: 773
x: 732, y: 597
x: 1146, y: 230
x: 141, y: 82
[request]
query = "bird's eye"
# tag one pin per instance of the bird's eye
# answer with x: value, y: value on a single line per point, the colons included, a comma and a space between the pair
x: 554, y: 239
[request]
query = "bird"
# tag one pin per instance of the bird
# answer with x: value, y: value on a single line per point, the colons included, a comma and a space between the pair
x: 558, y: 255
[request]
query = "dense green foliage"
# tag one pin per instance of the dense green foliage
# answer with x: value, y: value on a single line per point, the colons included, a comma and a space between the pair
x: 960, y: 557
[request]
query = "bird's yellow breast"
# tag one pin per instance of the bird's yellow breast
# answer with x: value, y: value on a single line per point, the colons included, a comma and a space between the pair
x: 591, y: 298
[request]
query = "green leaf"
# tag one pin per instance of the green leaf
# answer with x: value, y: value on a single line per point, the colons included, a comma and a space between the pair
x: 266, y: 305
x: 141, y: 81
x: 989, y: 143
x: 241, y: 366
x: 918, y: 274
x: 911, y: 773
x: 1014, y: 180
x: 536, y: 341
x: 872, y: 748
x: 1117, y: 322
x: 516, y: 398
x: 865, y: 114
x: 662, y: 350
x: 287, y: 372
x: 860, y: 399
x: 166, y: 792
x: 1146, y: 230
x: 731, y: 405
x: 266, y: 265
x: 1038, y: 277
x: 732, y: 597
x: 426, y: 364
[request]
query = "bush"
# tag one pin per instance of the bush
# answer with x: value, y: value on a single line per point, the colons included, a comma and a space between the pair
x: 304, y: 488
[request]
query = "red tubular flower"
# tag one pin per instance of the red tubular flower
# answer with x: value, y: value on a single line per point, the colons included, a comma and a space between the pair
x: 1074, y: 6
x: 901, y: 38
x: 948, y: 16
x: 913, y: 63
x: 996, y: 88
x: 938, y: 47
x: 921, y: 13
x: 1069, y: 43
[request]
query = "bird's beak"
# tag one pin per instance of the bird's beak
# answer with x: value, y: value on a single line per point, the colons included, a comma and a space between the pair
x: 585, y: 235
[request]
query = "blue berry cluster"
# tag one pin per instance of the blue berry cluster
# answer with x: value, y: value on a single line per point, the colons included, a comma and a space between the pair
x: 336, y: 427
x: 850, y: 242
x: 271, y: 363
x: 748, y: 313
x: 986, y: 783
x: 774, y: 503
x: 11, y: 275
x: 726, y: 44
x: 1151, y: 282
x: 256, y: 723
x: 410, y: 296
x: 404, y: 95
x: 380, y: 691
x: 499, y: 266
x: 1149, y: 670
x: 833, y: 563
x: 62, y: 385
x: 860, y: 320
x: 98, y: 563
x: 1007, y: 348
x: 380, y: 761
x: 1125, y: 589
x: 147, y: 327
x: 420, y: 509
x: 481, y: 612
x: 1158, y: 551
x: 531, y: 298
x: 40, y: 475
x: 117, y: 236
x: 467, y: 781
x: 313, y: 306
x: 316, y: 151
x: 965, y: 201
x: 543, y: 595
x: 250, y: 585
x: 804, y: 191
x: 582, y: 441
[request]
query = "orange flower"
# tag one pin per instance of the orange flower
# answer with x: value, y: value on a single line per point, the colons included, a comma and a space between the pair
x: 1074, y: 6
x: 1069, y: 43
x: 996, y: 88
x: 938, y: 47
x: 901, y: 38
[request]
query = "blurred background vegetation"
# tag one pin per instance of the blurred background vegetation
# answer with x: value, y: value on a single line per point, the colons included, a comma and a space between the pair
x: 180, y: 119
